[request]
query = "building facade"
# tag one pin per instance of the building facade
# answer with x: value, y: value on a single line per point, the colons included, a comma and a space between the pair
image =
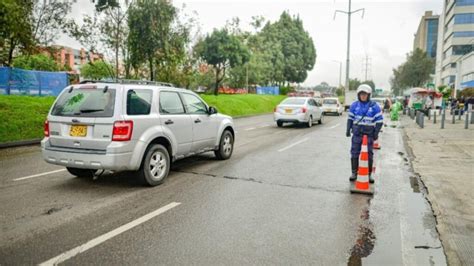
x: 426, y: 37
x: 455, y: 44
x: 73, y: 58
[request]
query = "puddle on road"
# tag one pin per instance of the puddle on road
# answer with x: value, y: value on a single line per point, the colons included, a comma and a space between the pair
x: 365, y: 242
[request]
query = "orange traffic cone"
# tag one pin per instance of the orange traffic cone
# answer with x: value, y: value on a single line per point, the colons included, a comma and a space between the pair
x: 377, y: 144
x: 362, y: 184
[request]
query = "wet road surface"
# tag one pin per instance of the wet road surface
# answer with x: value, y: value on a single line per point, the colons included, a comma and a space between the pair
x: 283, y: 198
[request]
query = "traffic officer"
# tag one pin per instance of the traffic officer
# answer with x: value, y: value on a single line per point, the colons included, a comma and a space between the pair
x: 365, y: 118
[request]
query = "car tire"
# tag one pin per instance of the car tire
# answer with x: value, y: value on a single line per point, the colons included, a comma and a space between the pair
x: 279, y: 123
x: 155, y: 166
x: 79, y: 172
x: 226, y: 146
x: 310, y: 122
x: 320, y: 121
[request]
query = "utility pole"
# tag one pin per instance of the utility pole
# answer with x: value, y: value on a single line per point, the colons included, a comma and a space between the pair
x: 366, y: 66
x: 340, y: 71
x: 349, y: 14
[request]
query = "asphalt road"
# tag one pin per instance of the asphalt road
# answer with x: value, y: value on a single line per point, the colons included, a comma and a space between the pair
x: 283, y: 198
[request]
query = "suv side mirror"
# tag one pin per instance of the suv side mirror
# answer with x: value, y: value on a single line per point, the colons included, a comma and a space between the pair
x: 212, y: 110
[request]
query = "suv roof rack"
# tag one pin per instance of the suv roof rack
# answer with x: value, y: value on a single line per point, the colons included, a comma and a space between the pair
x: 129, y: 81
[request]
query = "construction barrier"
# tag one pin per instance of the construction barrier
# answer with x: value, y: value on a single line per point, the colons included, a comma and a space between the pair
x: 18, y: 81
x: 268, y: 90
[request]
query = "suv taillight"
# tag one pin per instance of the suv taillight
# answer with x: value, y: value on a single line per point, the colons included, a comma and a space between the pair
x: 122, y: 131
x: 303, y: 110
x: 46, y: 128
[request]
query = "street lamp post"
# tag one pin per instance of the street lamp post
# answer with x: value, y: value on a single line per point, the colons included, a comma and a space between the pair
x: 349, y: 14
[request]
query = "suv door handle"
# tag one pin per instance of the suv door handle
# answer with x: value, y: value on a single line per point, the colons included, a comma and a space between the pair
x: 197, y: 121
x: 169, y: 122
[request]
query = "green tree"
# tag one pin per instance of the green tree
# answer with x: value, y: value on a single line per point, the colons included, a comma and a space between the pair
x: 97, y: 70
x: 36, y: 62
x: 105, y: 4
x: 16, y: 28
x: 150, y: 24
x: 48, y: 19
x: 415, y: 72
x: 114, y: 29
x: 293, y: 45
x: 354, y: 84
x: 222, y: 51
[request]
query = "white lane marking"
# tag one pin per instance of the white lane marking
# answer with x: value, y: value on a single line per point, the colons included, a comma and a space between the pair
x: 292, y: 145
x: 38, y: 175
x: 99, y: 240
x: 250, y: 128
x: 263, y: 126
x: 336, y: 125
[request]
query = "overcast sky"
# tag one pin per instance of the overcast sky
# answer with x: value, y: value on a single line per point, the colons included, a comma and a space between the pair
x: 385, y: 34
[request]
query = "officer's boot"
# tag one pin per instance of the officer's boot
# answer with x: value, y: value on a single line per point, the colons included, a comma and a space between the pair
x: 371, y: 162
x: 355, y: 167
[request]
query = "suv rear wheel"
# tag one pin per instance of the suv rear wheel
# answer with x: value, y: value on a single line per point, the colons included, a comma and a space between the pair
x: 226, y: 146
x: 155, y: 166
x: 89, y: 173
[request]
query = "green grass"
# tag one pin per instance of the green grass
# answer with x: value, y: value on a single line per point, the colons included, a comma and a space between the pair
x: 22, y: 117
x: 241, y: 105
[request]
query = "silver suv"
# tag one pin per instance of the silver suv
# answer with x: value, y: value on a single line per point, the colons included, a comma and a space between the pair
x: 141, y: 126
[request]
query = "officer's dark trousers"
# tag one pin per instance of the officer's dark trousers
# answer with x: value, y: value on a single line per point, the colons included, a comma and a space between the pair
x: 357, y: 145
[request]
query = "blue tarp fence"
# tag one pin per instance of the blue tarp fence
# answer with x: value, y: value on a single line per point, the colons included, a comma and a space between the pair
x: 18, y: 81
x: 268, y: 90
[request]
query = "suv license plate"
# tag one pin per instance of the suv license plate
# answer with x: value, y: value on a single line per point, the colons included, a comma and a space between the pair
x: 288, y: 111
x: 78, y: 131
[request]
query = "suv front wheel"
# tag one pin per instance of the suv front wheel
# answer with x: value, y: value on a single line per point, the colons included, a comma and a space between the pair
x: 155, y: 166
x: 226, y: 146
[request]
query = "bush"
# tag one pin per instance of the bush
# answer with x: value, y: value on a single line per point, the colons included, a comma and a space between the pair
x: 97, y: 70
x: 40, y: 62
x: 285, y: 90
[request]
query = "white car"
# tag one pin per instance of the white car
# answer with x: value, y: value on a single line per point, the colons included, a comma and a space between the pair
x: 332, y: 105
x: 298, y: 110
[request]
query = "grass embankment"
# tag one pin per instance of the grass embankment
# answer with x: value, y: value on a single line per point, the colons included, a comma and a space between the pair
x: 22, y: 117
x: 241, y: 105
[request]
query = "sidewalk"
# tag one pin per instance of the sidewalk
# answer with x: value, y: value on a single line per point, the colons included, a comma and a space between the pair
x: 444, y: 159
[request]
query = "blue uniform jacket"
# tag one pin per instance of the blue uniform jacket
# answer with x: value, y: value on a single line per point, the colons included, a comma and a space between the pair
x: 365, y: 118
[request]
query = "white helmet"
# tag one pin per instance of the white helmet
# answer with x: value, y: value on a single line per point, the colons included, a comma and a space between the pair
x: 364, y: 88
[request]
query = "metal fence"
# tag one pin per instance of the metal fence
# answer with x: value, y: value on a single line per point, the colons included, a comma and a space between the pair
x: 465, y: 116
x: 18, y: 81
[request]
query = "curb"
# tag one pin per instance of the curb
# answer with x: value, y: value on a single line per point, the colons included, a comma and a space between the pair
x: 20, y: 143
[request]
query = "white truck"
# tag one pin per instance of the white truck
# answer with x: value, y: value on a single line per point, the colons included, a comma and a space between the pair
x: 350, y: 97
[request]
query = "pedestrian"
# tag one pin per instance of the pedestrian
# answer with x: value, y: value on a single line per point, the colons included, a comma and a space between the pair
x: 365, y: 118
x: 386, y: 106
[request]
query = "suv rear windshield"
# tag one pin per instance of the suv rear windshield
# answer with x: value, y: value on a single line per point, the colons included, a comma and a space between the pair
x: 330, y: 101
x: 85, y: 103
